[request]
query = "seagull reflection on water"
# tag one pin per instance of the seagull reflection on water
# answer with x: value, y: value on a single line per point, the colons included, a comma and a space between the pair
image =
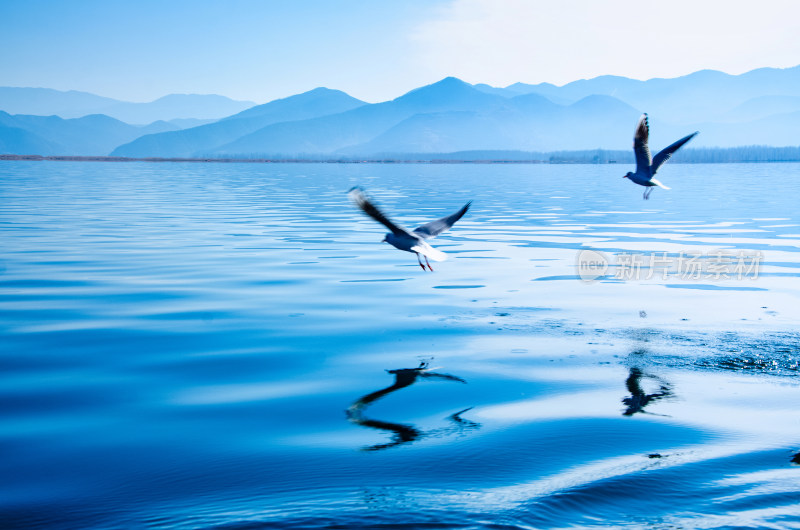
x: 639, y: 398
x: 403, y: 434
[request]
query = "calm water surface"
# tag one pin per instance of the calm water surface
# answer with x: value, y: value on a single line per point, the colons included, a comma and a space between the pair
x: 210, y: 346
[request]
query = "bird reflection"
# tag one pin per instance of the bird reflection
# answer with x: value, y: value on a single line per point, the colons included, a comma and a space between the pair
x: 401, y: 433
x: 639, y: 398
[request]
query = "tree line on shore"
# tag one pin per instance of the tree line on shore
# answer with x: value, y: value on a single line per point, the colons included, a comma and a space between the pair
x: 711, y: 155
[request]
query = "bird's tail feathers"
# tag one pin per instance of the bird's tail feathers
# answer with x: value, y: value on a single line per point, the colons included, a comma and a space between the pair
x: 659, y: 184
x: 428, y: 251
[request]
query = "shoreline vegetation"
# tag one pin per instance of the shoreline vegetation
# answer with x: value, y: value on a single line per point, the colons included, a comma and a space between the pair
x: 746, y: 154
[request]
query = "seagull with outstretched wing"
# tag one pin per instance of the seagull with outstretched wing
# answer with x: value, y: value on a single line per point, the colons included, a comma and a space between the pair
x: 645, y: 166
x: 415, y: 240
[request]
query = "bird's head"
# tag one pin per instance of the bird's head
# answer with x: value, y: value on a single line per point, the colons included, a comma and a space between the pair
x: 628, y: 175
x: 391, y: 239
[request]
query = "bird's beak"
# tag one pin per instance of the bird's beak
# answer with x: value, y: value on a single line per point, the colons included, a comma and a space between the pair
x: 624, y: 176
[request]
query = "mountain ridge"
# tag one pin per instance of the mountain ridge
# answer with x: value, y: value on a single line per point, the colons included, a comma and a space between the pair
x: 755, y: 108
x: 87, y: 135
x: 70, y: 104
x: 190, y: 142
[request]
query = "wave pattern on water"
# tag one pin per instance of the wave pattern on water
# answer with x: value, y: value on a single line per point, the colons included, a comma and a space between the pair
x: 232, y: 346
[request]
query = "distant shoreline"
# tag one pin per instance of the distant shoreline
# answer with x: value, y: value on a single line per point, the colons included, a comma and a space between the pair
x: 38, y: 158
x: 566, y: 160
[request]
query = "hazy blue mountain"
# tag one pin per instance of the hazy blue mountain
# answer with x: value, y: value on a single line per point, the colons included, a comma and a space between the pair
x: 74, y: 104
x: 91, y: 135
x: 439, y: 132
x: 176, y: 106
x: 706, y: 95
x: 188, y: 123
x: 524, y: 123
x: 49, y: 102
x: 776, y: 130
x: 450, y: 93
x: 317, y: 102
x: 762, y: 107
x: 197, y: 141
x: 519, y: 89
x: 497, y: 91
x: 14, y: 140
x: 756, y: 108
x: 330, y: 133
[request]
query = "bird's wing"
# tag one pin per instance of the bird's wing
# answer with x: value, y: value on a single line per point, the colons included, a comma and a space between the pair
x: 640, y: 147
x: 434, y: 228
x: 668, y: 151
x: 443, y: 376
x: 361, y: 200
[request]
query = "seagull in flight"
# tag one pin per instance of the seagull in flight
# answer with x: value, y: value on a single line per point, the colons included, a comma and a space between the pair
x: 402, y: 239
x: 645, y: 166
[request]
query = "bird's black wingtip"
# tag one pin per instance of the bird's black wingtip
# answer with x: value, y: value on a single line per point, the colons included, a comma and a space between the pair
x: 359, y: 188
x: 464, y: 209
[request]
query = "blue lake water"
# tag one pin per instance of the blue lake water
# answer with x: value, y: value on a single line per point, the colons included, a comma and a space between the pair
x: 208, y: 346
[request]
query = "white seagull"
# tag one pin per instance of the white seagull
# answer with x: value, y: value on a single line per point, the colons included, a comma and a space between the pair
x: 402, y: 239
x: 645, y: 167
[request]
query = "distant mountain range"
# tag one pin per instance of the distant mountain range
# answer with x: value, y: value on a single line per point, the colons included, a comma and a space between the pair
x: 761, y: 107
x: 702, y: 96
x: 206, y: 138
x: 74, y: 104
x: 51, y: 135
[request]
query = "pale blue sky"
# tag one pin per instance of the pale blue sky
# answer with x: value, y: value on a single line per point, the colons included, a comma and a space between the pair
x: 377, y: 50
